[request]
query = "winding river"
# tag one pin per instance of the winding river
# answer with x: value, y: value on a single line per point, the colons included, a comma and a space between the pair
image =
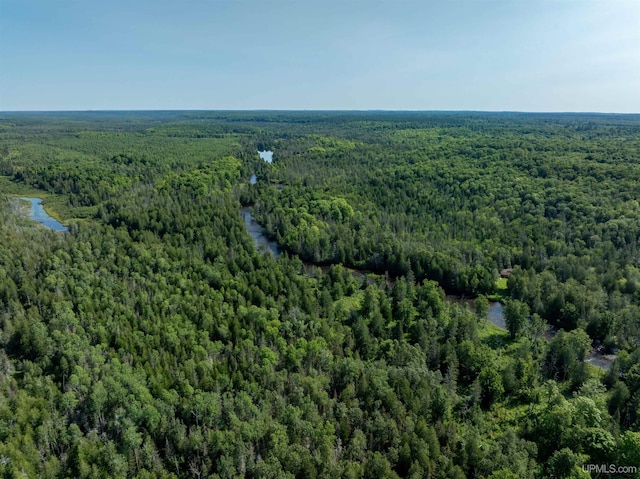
x: 264, y: 243
x: 495, y: 316
x: 256, y: 231
x: 37, y: 212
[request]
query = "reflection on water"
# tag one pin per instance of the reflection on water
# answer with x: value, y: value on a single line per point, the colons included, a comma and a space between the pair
x: 602, y: 361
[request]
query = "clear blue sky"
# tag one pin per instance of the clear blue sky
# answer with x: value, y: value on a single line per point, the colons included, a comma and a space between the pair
x: 525, y: 55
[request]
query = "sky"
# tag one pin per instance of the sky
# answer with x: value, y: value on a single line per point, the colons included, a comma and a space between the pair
x: 483, y: 55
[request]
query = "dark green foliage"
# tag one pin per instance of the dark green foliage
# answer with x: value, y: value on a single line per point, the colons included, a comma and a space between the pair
x: 154, y: 340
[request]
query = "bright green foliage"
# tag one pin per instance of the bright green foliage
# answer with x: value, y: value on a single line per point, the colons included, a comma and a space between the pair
x: 516, y: 315
x: 481, y: 305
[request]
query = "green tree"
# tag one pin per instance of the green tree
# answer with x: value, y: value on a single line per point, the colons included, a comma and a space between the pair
x: 481, y: 305
x: 516, y: 314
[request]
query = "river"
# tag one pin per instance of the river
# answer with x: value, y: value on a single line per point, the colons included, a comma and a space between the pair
x: 256, y: 231
x: 495, y: 316
x: 37, y: 212
x: 263, y: 242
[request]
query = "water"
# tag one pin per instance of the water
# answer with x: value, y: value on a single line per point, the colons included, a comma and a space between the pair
x: 266, y: 156
x: 38, y: 213
x: 256, y: 231
x: 602, y: 361
x: 261, y: 240
x: 496, y: 315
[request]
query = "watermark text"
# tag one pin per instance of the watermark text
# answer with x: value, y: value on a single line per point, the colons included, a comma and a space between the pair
x: 609, y: 469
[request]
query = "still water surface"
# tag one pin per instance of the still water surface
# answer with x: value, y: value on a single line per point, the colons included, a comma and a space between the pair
x: 266, y: 156
x: 256, y: 231
x: 38, y: 213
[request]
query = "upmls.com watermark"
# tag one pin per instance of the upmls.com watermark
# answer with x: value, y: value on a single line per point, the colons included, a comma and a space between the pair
x: 609, y: 469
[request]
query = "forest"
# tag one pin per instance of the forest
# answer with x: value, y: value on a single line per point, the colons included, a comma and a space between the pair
x: 155, y: 339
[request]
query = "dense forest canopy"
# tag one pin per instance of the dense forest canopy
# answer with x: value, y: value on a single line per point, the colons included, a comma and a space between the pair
x: 155, y: 340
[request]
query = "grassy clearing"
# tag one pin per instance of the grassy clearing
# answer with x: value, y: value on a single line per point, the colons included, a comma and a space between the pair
x: 502, y: 293
x: 492, y: 335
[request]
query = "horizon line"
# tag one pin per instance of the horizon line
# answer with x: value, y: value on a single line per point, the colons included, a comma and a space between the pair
x: 309, y: 110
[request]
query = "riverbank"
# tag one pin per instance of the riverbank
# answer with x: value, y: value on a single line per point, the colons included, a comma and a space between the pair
x: 495, y: 315
x: 56, y: 206
x: 37, y: 213
x: 263, y: 242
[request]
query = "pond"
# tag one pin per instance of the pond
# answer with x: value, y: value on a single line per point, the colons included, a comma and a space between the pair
x: 38, y: 213
x: 266, y: 156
